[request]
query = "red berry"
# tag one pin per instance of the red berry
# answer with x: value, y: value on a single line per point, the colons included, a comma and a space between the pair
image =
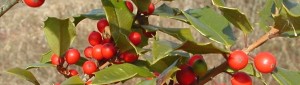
x: 108, y: 50
x: 135, y: 38
x: 129, y: 6
x: 107, y: 40
x: 56, y: 60
x: 194, y: 58
x: 73, y: 72
x: 89, y: 67
x: 88, y: 82
x: 88, y: 52
x: 102, y: 23
x: 72, y: 56
x: 185, y: 76
x: 57, y: 84
x: 129, y: 57
x: 238, y: 60
x: 265, y: 62
x: 97, y: 52
x: 151, y: 9
x: 95, y: 38
x: 34, y: 3
x: 241, y: 78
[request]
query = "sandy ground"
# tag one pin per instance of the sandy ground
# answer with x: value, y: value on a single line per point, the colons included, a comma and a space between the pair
x: 22, y: 39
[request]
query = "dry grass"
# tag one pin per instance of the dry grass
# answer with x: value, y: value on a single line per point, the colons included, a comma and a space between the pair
x: 22, y: 39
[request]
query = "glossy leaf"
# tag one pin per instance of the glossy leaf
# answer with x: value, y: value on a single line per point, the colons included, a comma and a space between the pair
x: 168, y: 12
x: 38, y: 65
x: 148, y: 82
x: 24, y: 74
x: 46, y: 57
x: 201, y: 48
x: 142, y: 5
x: 265, y: 15
x: 59, y: 34
x: 164, y: 63
x: 287, y: 23
x: 160, y: 49
x: 81, y: 61
x: 119, y: 72
x: 206, y: 25
x: 74, y: 80
x: 120, y: 22
x: 95, y: 14
x: 249, y: 69
x: 167, y: 73
x: 236, y: 17
x: 182, y: 34
x: 286, y: 77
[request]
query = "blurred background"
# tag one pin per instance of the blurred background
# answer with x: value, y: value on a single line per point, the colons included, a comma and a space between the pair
x: 22, y: 40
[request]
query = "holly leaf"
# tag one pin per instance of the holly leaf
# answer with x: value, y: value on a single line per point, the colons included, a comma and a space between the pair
x: 168, y: 12
x: 266, y: 18
x: 249, y: 69
x: 167, y: 73
x: 120, y: 22
x: 120, y: 72
x: 74, y: 80
x: 148, y: 82
x: 38, y: 65
x: 285, y: 77
x: 46, y: 57
x: 233, y: 15
x: 60, y: 33
x: 206, y: 25
x: 287, y: 23
x: 201, y: 48
x: 95, y: 14
x: 160, y: 49
x: 24, y: 74
x: 142, y: 5
x: 182, y: 34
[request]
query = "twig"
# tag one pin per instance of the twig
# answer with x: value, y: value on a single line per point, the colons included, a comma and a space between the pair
x: 104, y: 65
x: 213, y: 73
x: 4, y: 9
x: 272, y: 33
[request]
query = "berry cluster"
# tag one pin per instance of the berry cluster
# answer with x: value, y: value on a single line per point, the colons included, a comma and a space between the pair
x: 264, y: 62
x: 196, y: 68
x: 34, y: 3
x: 102, y: 51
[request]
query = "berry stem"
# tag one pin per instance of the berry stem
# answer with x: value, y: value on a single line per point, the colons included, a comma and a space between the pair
x: 4, y: 9
x: 272, y: 33
x: 104, y: 65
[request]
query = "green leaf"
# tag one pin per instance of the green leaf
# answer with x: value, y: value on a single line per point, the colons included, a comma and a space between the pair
x: 182, y: 34
x: 167, y: 73
x: 287, y: 23
x: 24, y: 74
x: 120, y: 22
x: 38, y: 65
x: 165, y: 62
x: 285, y: 77
x: 119, y: 72
x: 148, y: 82
x: 206, y: 25
x: 249, y: 69
x: 77, y: 19
x: 46, y: 57
x: 168, y: 12
x: 236, y: 17
x: 265, y: 15
x: 59, y: 34
x: 74, y: 80
x: 160, y: 50
x: 142, y: 5
x: 95, y: 14
x: 201, y: 48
